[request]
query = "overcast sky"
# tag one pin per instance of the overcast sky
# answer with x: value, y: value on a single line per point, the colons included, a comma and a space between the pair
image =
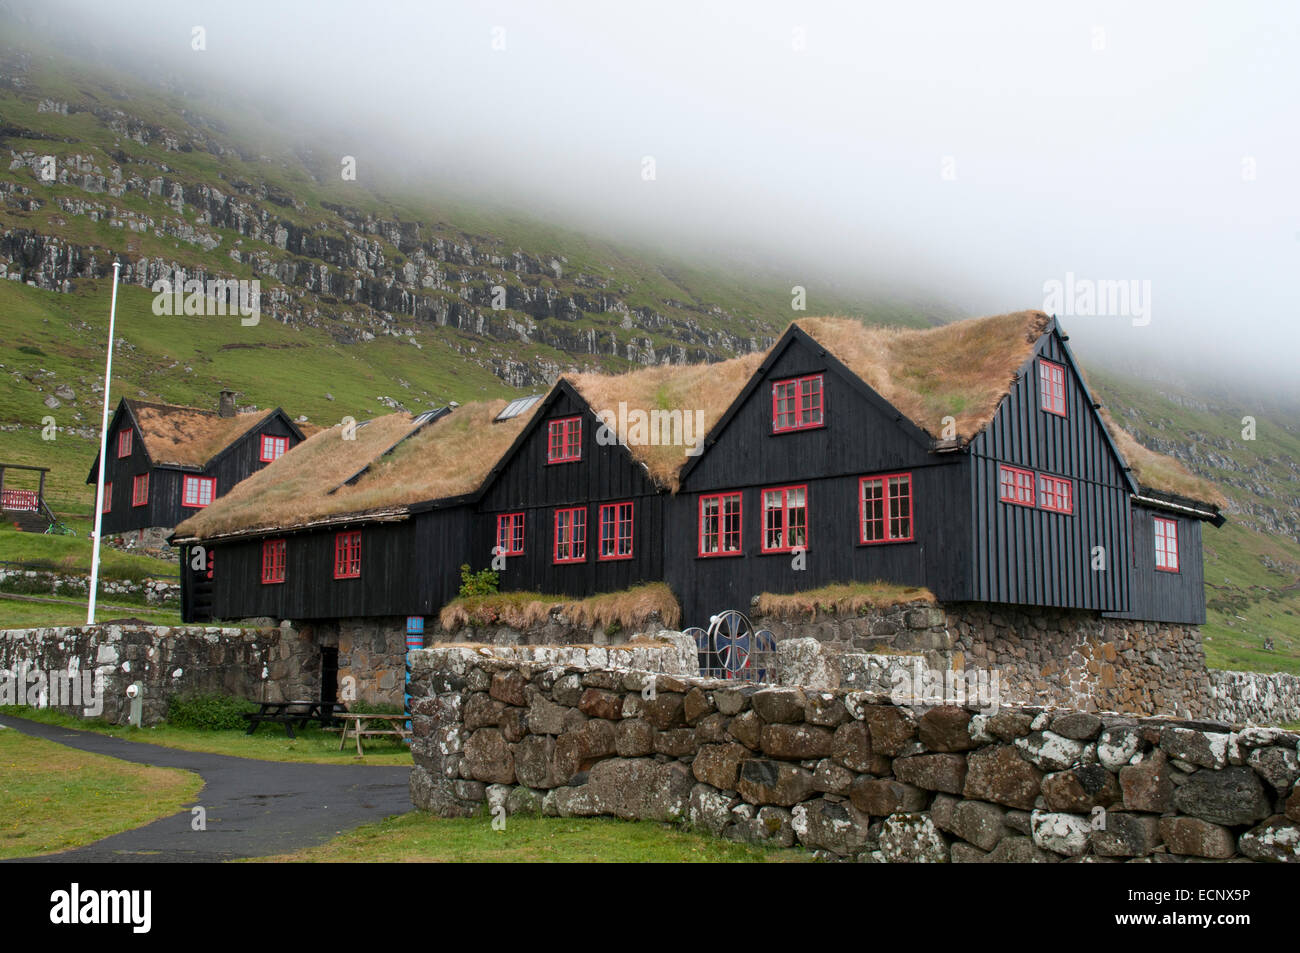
x: 974, y: 151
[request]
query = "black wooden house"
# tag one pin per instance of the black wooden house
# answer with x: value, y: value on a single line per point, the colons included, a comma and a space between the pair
x: 166, y: 462
x: 970, y: 459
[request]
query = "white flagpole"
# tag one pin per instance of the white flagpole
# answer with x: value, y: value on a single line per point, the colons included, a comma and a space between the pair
x: 103, y: 452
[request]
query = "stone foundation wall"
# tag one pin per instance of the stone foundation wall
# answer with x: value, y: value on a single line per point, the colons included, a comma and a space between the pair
x: 155, y: 592
x: 847, y: 774
x: 275, y: 664
x: 1056, y: 657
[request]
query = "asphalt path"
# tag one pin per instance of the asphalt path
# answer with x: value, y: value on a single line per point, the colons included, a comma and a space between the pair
x: 254, y: 808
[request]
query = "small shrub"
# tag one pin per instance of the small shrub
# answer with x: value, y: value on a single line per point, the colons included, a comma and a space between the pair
x: 485, y: 582
x: 34, y: 351
x: 209, y: 712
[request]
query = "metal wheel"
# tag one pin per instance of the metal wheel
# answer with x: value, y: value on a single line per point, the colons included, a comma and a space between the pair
x: 732, y: 636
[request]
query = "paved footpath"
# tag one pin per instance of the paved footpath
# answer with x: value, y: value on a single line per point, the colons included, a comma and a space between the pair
x: 254, y: 808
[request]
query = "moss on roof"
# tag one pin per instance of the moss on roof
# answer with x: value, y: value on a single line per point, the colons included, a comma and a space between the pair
x: 446, y: 458
x: 709, y: 388
x: 962, y: 370
x: 188, y: 436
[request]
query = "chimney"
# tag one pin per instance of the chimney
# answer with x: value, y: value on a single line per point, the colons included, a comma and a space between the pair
x: 226, y: 406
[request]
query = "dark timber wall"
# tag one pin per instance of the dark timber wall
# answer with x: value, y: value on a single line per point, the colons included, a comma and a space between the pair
x: 861, y: 437
x: 606, y: 474
x: 1159, y: 595
x: 166, y: 484
x: 1033, y: 556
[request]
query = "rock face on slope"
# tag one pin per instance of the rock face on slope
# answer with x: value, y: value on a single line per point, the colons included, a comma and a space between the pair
x: 323, y: 264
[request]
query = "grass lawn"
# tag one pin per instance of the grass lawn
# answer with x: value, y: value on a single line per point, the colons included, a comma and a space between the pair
x: 53, y: 798
x: 312, y: 746
x: 24, y: 614
x: 421, y: 837
x: 71, y: 554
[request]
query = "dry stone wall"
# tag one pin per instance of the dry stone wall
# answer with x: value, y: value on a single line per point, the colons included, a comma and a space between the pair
x: 1045, y: 656
x: 271, y: 664
x: 848, y: 774
x: 155, y: 592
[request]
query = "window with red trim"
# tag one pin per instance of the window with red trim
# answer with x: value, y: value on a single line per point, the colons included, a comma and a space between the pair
x: 272, y: 561
x: 108, y: 497
x: 198, y: 491
x: 273, y: 448
x: 885, y: 508
x: 1016, y: 485
x: 720, y: 524
x: 510, y: 534
x: 124, y: 442
x: 564, y: 440
x: 797, y: 403
x: 1051, y: 387
x: 616, y: 531
x: 571, y: 535
x: 1055, y: 494
x: 1166, y: 533
x: 785, y: 518
x: 347, y: 555
x: 140, y: 490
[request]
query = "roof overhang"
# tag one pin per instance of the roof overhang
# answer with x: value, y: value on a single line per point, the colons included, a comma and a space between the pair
x: 1184, y: 506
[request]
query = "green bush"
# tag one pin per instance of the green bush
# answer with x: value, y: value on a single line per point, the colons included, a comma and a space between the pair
x: 209, y: 712
x: 481, y: 583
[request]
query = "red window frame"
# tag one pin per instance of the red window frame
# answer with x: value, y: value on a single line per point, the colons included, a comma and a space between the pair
x: 564, y: 440
x: 510, y: 534
x: 786, y: 529
x: 575, y: 542
x: 615, y: 529
x: 347, y: 554
x: 1051, y: 387
x: 108, y: 497
x: 1016, y: 485
x: 273, y: 561
x: 798, y: 403
x: 279, y: 446
x: 728, y: 526
x: 198, y: 481
x: 894, y: 512
x: 140, y: 490
x: 1165, y: 531
x: 1055, y: 494
x: 124, y: 443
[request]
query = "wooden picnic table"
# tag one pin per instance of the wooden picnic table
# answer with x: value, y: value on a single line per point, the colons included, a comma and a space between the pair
x: 292, y: 713
x: 356, y: 722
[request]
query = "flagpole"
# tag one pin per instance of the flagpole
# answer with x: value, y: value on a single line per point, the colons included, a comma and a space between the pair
x: 103, y: 452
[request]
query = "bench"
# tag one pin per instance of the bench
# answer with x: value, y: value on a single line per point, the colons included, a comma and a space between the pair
x: 293, y: 713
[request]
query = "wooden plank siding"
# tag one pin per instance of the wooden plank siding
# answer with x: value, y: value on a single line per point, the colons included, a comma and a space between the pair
x: 389, y: 583
x: 526, y: 483
x: 1032, y: 556
x: 861, y: 437
x: 1159, y: 596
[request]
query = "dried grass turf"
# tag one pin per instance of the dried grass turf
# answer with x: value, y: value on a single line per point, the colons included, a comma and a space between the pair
x: 629, y: 608
x: 839, y: 599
